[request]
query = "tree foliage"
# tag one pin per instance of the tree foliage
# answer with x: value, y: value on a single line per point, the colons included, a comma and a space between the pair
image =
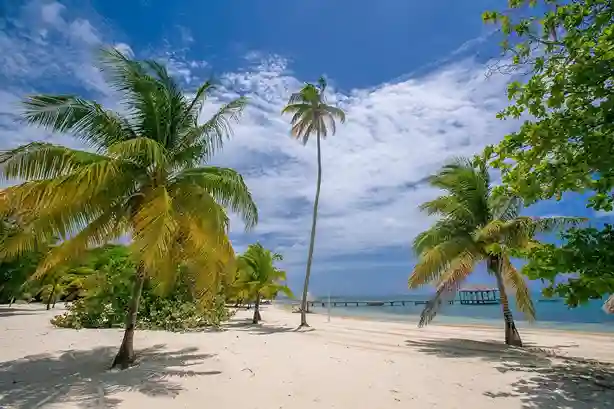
x: 474, y: 226
x: 143, y: 179
x: 106, y: 293
x: 586, y: 254
x: 146, y: 176
x: 258, y: 278
x: 257, y: 274
x: 568, y: 141
x: 15, y: 273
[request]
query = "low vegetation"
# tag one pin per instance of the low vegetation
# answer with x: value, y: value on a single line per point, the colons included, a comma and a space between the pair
x: 106, y: 294
x: 146, y: 176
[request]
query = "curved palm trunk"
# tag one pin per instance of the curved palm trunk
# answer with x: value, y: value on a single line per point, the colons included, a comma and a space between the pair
x: 512, y: 337
x: 257, y: 316
x: 125, y: 356
x: 312, y: 238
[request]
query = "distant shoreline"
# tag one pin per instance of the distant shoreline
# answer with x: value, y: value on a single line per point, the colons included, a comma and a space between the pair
x: 487, y: 324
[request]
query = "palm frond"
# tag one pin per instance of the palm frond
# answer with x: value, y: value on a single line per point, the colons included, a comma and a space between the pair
x: 142, y: 151
x: 504, y: 207
x: 448, y: 285
x: 448, y: 206
x: 100, y: 230
x: 552, y: 223
x: 154, y: 229
x: 467, y: 189
x: 227, y: 187
x: 197, y: 103
x: 87, y: 120
x: 38, y: 160
x: 442, y: 231
x: 435, y: 261
x: 335, y: 113
x: 200, y: 142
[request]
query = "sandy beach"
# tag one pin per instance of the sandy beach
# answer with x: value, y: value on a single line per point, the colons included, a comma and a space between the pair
x: 346, y: 363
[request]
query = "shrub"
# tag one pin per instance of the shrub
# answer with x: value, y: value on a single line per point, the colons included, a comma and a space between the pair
x: 108, y: 291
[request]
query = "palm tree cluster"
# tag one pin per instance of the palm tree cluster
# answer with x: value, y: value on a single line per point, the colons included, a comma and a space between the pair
x: 146, y: 177
x: 143, y: 178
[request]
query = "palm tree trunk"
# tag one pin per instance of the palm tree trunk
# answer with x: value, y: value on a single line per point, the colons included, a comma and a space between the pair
x: 126, y: 357
x: 512, y: 337
x: 257, y: 316
x: 312, y: 238
x: 50, y: 298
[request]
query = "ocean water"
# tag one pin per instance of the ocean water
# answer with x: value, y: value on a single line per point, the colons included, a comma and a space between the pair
x: 550, y: 313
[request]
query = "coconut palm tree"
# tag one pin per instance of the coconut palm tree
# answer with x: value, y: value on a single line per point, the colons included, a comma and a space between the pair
x: 476, y: 226
x: 312, y: 115
x: 258, y: 278
x: 144, y: 178
x: 63, y: 281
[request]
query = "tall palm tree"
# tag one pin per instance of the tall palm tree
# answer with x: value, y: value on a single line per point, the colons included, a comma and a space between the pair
x: 258, y: 277
x: 144, y: 178
x: 312, y: 115
x: 476, y: 226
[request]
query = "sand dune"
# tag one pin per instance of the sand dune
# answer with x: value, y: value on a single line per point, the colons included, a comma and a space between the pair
x: 343, y: 364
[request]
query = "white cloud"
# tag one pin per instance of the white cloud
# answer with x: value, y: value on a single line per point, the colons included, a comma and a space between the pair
x: 373, y: 169
x: 51, y: 13
x: 82, y: 30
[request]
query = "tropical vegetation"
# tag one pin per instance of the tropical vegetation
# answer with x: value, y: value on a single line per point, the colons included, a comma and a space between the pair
x: 476, y: 226
x: 144, y: 177
x: 565, y: 142
x: 312, y: 115
x: 258, y: 278
x: 106, y: 295
x: 585, y: 254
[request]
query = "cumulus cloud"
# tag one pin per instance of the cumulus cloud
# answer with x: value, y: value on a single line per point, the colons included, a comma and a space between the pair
x: 374, y: 168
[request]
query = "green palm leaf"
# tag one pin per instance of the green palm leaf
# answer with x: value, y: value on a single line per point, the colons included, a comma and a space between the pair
x: 143, y: 181
x: 475, y: 226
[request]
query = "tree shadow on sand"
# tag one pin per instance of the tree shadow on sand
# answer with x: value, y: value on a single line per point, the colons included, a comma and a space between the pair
x: 13, y: 311
x: 262, y: 328
x: 566, y: 383
x: 83, y: 377
x: 548, y: 381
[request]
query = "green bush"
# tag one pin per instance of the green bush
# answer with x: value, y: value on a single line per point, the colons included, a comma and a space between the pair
x: 159, y: 313
x: 108, y: 291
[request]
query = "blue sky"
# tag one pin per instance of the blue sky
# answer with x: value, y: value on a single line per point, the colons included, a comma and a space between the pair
x: 410, y: 75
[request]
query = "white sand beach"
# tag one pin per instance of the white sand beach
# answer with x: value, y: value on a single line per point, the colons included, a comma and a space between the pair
x: 347, y: 363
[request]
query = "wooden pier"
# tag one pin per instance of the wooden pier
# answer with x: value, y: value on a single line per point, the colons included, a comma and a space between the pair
x: 477, y: 295
x: 360, y: 303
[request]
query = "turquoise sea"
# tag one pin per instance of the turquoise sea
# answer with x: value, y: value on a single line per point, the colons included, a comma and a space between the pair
x: 551, y: 313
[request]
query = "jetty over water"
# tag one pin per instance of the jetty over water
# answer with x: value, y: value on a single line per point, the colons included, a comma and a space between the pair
x: 361, y: 303
x: 476, y: 295
x: 479, y: 295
